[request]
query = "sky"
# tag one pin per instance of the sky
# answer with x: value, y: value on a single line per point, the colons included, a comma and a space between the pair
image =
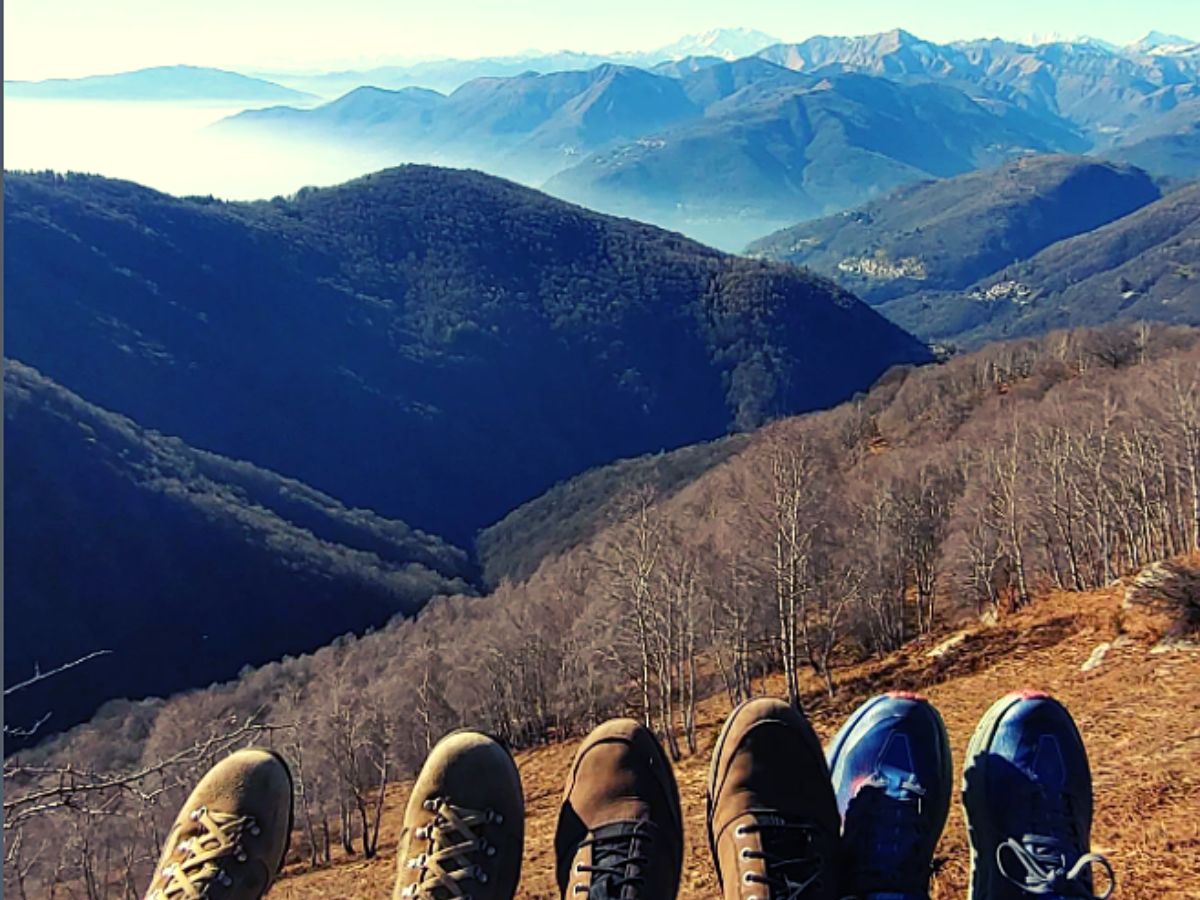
x: 69, y: 38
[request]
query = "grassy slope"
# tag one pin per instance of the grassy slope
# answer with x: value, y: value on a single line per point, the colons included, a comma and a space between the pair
x: 1138, y: 712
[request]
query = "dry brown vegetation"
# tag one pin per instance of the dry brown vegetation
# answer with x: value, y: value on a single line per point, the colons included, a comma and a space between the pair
x: 1138, y: 711
x: 833, y: 548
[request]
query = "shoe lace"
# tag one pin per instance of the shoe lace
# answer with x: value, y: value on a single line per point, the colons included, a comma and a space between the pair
x: 793, y: 866
x: 1044, y: 854
x: 619, y: 861
x: 455, y: 843
x: 883, y: 830
x: 199, y: 867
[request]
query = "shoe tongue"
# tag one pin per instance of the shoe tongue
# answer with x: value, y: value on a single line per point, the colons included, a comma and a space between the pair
x: 883, y: 836
x: 625, y: 847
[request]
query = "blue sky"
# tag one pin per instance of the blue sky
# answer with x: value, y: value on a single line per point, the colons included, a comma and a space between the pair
x: 47, y: 38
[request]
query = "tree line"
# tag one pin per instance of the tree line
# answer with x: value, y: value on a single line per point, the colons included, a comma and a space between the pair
x: 948, y: 491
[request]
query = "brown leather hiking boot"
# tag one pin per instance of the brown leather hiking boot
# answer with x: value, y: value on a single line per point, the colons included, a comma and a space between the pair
x: 772, y: 818
x: 464, y: 827
x: 230, y: 838
x: 620, y: 830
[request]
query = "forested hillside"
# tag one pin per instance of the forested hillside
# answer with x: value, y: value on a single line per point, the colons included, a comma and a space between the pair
x: 185, y: 565
x: 1145, y: 265
x: 942, y: 235
x: 436, y: 345
x: 1051, y: 464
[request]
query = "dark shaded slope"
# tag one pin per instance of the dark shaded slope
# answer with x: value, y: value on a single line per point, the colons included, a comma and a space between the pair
x: 185, y: 564
x: 948, y: 234
x: 440, y: 346
x: 572, y: 513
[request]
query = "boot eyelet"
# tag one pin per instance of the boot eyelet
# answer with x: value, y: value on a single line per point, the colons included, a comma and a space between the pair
x: 740, y: 831
x: 745, y: 853
x: 748, y: 878
x: 491, y: 851
x: 430, y: 805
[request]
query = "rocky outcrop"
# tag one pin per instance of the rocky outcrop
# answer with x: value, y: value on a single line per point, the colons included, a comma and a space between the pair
x: 1171, y: 587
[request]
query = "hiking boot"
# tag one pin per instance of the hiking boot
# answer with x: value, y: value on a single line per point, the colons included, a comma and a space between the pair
x: 464, y: 826
x: 892, y: 776
x: 1027, y: 794
x: 231, y: 836
x: 620, y: 829
x: 772, y: 819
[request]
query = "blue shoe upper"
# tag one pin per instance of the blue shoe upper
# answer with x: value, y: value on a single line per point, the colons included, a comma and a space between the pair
x: 891, y: 773
x: 1036, y: 789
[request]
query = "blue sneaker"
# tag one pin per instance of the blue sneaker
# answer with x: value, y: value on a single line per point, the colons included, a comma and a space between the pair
x: 1027, y: 794
x: 892, y: 775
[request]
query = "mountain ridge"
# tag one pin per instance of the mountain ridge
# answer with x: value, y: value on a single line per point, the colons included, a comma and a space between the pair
x: 125, y: 533
x: 956, y: 231
x: 418, y: 310
x: 160, y: 83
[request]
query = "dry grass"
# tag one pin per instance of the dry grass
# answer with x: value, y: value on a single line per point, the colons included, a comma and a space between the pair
x: 1139, y: 713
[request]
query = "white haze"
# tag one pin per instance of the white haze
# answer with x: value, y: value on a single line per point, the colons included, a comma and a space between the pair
x: 169, y: 147
x: 173, y: 148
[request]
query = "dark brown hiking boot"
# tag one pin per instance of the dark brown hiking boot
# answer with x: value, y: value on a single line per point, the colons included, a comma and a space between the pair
x: 620, y: 830
x: 464, y: 827
x: 772, y: 818
x: 230, y: 838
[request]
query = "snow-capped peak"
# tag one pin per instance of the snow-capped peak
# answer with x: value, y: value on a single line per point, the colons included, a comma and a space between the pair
x: 727, y: 43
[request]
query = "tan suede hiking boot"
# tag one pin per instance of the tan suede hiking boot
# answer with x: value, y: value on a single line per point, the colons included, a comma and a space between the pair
x: 772, y: 818
x: 620, y: 830
x: 464, y: 827
x: 231, y: 836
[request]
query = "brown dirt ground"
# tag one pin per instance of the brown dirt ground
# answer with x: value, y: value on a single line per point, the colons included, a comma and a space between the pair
x: 1139, y: 712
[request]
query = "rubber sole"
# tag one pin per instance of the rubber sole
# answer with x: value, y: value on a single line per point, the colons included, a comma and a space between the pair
x: 291, y: 825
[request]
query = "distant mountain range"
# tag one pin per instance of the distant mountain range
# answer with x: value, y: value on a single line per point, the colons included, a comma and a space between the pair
x: 162, y: 83
x: 1036, y: 244
x: 446, y: 75
x: 185, y: 564
x: 722, y: 151
x: 1168, y: 145
x: 1096, y: 90
x: 726, y: 151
